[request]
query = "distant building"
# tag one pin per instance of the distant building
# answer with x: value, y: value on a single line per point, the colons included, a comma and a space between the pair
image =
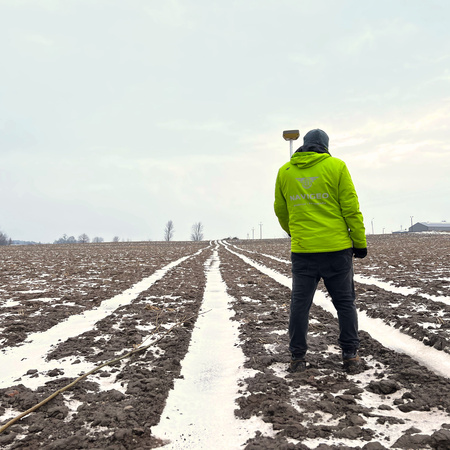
x: 430, y: 226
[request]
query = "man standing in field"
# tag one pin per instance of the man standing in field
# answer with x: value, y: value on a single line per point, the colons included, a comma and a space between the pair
x: 317, y: 205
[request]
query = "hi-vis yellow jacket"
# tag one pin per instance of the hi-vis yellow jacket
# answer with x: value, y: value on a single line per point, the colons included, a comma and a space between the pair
x: 316, y: 203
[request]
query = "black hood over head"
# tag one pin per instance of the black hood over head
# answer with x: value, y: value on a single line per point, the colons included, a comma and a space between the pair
x: 315, y: 141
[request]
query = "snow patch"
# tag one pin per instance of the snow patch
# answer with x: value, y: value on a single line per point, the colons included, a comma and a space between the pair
x: 210, y: 375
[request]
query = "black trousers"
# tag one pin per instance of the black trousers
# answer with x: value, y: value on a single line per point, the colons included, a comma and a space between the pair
x: 336, y: 269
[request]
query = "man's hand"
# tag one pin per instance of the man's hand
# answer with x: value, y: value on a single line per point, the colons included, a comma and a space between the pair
x: 360, y: 252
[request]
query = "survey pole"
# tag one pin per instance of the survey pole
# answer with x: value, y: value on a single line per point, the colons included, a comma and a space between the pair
x: 291, y: 135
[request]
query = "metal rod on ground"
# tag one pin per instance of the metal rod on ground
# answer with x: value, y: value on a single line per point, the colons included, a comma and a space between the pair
x: 95, y: 369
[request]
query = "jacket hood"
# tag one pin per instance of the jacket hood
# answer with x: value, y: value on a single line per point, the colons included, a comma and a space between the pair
x: 315, y: 141
x: 304, y: 160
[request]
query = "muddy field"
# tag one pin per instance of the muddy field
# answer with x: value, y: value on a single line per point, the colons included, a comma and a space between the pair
x: 66, y: 309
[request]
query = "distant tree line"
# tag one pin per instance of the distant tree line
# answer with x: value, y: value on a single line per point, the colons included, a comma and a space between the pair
x: 82, y: 239
x: 169, y: 231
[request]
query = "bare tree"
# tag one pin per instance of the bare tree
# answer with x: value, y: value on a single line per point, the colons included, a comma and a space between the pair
x: 61, y: 240
x: 66, y: 240
x: 168, y: 231
x: 197, y: 232
x: 4, y: 239
x: 116, y: 239
x: 83, y: 238
x: 97, y: 239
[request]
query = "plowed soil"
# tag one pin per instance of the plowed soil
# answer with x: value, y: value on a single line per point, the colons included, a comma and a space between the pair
x: 392, y: 402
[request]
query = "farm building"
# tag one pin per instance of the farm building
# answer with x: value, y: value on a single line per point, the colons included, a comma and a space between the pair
x: 430, y: 226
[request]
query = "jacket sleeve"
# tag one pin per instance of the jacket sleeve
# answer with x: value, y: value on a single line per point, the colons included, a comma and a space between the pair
x: 280, y: 206
x: 349, y: 203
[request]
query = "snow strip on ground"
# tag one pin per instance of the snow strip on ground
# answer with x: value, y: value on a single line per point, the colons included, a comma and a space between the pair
x: 16, y: 361
x: 199, y: 412
x: 387, y: 286
x: 403, y: 290
x: 435, y: 360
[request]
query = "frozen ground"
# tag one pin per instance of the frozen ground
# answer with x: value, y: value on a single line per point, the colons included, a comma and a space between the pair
x: 219, y: 379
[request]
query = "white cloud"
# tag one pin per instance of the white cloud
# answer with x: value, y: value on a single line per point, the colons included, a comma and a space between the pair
x: 186, y: 125
x: 170, y: 13
x: 305, y: 59
x: 38, y: 39
x: 366, y: 37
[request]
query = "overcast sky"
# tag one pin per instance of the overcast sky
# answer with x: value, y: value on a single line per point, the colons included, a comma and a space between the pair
x: 116, y: 116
